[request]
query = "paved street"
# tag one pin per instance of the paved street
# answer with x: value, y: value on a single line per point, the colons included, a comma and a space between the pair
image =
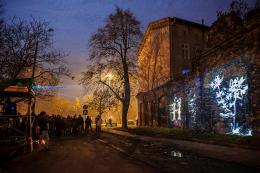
x: 113, y: 153
x: 76, y: 155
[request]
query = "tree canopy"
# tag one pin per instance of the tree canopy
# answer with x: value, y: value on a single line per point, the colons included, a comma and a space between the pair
x: 113, y: 50
x: 28, y: 44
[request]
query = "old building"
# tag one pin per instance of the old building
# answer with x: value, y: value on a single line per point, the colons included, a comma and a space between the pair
x: 194, y: 76
x: 165, y: 54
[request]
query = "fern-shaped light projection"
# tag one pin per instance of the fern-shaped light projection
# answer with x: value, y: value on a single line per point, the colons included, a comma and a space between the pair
x: 227, y: 97
x: 175, y: 109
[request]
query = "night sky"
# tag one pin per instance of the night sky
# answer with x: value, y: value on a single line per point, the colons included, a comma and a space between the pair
x: 74, y: 20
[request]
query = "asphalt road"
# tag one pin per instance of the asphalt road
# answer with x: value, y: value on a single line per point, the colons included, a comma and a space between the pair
x: 73, y: 155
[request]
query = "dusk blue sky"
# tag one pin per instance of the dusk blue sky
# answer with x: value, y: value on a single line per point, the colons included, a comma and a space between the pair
x: 73, y: 22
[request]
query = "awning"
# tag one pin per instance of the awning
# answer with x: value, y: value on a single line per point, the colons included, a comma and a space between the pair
x: 16, y: 88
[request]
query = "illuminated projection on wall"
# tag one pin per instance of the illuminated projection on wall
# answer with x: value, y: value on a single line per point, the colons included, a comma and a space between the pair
x: 192, y: 107
x: 230, y: 98
x: 175, y: 109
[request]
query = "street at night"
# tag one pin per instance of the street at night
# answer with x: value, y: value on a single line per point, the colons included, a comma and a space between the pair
x: 112, y: 153
x: 76, y: 155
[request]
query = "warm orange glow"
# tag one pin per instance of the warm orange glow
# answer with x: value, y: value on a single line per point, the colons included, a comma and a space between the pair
x: 154, y: 59
x: 110, y: 76
x: 16, y: 89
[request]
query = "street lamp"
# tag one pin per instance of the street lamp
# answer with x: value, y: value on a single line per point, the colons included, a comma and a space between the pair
x: 30, y: 89
x: 109, y: 76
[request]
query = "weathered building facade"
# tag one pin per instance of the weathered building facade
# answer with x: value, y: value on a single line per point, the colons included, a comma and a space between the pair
x: 164, y: 55
x: 212, y: 83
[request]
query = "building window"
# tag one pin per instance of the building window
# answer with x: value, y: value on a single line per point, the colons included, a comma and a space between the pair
x: 186, y: 51
x: 196, y: 51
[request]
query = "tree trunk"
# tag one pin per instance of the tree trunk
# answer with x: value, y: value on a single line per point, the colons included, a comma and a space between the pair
x: 100, y: 109
x: 126, y: 103
x: 126, y: 100
x: 124, y: 114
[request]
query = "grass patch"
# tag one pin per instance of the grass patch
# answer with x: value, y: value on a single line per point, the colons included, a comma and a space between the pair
x: 196, y: 135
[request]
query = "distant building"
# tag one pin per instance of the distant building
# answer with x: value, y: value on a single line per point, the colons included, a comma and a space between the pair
x: 191, y: 75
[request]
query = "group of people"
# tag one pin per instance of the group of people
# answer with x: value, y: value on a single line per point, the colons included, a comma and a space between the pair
x: 45, y: 126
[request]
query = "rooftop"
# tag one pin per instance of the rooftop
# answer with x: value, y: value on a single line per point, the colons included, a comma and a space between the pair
x: 166, y: 21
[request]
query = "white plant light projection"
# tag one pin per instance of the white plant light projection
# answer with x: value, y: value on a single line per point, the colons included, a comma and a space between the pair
x: 192, y: 107
x: 227, y: 98
x: 175, y: 109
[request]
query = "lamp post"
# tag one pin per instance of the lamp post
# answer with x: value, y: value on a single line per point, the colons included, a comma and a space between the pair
x: 30, y: 90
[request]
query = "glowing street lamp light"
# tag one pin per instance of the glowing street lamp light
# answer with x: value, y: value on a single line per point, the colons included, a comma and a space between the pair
x: 109, y: 76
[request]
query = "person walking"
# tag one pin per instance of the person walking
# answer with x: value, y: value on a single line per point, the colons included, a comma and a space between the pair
x: 44, y: 127
x: 80, y: 123
x: 88, y: 126
x: 59, y: 126
x: 98, y: 123
x: 110, y: 122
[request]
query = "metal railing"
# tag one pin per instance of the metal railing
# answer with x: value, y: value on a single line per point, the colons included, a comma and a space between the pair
x: 10, y: 130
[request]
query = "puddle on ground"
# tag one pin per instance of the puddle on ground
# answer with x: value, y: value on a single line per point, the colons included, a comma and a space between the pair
x: 128, y: 144
x: 176, y: 153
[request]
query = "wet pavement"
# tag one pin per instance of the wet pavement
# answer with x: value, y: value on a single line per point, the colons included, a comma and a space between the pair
x: 71, y: 154
x: 113, y: 153
x: 237, y: 155
x: 168, y: 157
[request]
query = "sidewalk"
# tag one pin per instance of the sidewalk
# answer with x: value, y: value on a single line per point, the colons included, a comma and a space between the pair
x: 231, y: 154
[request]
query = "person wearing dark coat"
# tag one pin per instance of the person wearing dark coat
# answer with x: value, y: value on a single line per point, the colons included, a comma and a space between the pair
x: 88, y: 124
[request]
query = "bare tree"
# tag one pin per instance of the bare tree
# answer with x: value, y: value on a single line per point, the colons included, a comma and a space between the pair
x: 239, y: 7
x: 102, y: 100
x: 113, y: 49
x: 27, y: 49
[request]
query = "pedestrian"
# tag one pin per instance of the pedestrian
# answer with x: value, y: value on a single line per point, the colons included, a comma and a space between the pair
x: 58, y: 124
x: 88, y: 124
x: 36, y: 129
x: 22, y: 126
x: 52, y: 126
x: 80, y: 124
x: 98, y: 122
x: 110, y: 122
x: 44, y: 127
x: 75, y: 126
